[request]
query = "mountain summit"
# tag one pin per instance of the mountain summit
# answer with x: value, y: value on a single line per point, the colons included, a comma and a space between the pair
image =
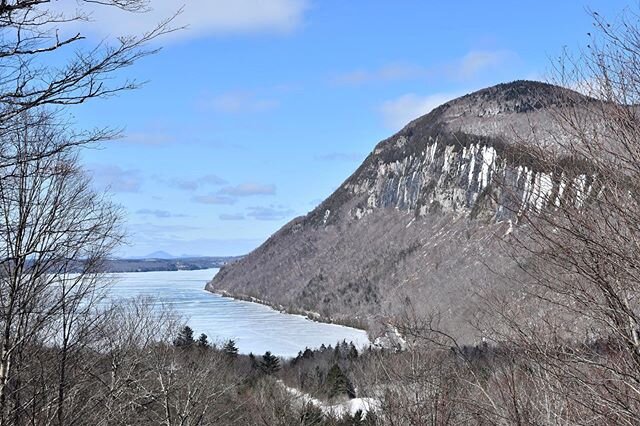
x: 415, y: 224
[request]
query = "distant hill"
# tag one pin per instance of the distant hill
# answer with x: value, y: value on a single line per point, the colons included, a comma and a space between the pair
x: 157, y: 255
x: 162, y: 261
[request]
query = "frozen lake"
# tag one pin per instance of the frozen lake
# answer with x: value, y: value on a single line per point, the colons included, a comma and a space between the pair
x: 256, y: 328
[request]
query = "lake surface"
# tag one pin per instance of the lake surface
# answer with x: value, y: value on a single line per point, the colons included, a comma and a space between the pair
x: 255, y: 328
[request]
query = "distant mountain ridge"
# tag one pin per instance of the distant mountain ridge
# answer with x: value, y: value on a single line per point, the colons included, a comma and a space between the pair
x: 157, y: 255
x: 155, y: 263
x: 417, y: 222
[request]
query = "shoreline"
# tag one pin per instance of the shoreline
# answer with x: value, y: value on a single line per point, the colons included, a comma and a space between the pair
x: 309, y: 315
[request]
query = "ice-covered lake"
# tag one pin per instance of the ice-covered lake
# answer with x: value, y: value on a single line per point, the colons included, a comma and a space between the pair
x: 256, y: 328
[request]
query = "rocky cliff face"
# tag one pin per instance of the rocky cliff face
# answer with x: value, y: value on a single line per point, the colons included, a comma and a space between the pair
x: 417, y: 223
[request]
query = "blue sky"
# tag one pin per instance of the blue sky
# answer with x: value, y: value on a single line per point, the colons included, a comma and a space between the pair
x: 260, y: 109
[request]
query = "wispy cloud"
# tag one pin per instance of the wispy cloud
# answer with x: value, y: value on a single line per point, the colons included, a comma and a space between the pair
x: 269, y: 212
x: 248, y: 189
x: 186, y: 184
x: 200, y: 17
x: 116, y: 179
x: 231, y: 216
x: 238, y: 102
x: 230, y: 194
x: 161, y: 214
x: 213, y: 199
x: 397, y: 112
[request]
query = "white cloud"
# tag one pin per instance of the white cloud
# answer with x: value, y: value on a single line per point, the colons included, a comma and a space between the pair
x: 202, y: 17
x: 398, y: 112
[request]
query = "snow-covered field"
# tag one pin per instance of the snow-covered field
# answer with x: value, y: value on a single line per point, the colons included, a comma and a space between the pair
x: 256, y: 328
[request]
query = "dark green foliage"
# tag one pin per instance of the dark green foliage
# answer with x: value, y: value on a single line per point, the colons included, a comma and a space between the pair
x: 338, y: 384
x: 230, y: 349
x: 185, y: 338
x: 270, y: 363
x: 203, y: 342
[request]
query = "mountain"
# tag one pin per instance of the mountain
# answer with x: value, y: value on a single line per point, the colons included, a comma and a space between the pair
x: 416, y: 225
x: 156, y: 255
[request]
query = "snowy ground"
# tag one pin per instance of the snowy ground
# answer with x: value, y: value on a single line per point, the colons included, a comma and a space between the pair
x: 351, y: 406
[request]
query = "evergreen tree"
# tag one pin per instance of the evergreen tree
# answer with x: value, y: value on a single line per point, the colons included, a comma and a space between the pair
x: 203, y: 342
x: 254, y: 362
x: 185, y: 338
x: 338, y: 383
x: 353, y: 351
x: 270, y: 363
x: 230, y: 349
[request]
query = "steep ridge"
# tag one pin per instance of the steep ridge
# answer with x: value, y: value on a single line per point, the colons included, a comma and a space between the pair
x: 419, y: 221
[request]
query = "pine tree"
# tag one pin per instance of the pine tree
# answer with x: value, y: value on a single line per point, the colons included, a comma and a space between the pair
x: 230, y: 349
x: 185, y: 338
x: 254, y: 362
x: 270, y: 363
x: 353, y: 351
x: 307, y: 354
x: 338, y: 383
x: 203, y: 342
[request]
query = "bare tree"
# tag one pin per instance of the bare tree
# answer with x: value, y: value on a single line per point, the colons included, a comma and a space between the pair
x: 55, y: 233
x: 32, y: 39
x: 579, y: 255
